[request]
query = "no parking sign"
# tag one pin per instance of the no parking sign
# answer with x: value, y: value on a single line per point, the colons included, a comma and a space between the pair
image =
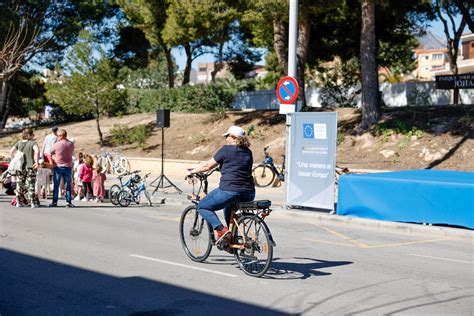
x: 287, y: 93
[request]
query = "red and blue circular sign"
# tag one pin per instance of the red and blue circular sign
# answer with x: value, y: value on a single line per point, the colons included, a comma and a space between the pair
x: 287, y: 90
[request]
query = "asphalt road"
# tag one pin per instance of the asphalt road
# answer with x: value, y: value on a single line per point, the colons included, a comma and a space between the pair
x: 101, y: 260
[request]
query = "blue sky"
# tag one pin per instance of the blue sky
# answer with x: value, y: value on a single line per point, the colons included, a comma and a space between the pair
x: 436, y: 28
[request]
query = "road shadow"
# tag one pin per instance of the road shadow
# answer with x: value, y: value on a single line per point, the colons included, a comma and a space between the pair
x: 36, y: 286
x: 295, y: 268
x: 451, y: 151
x: 306, y: 268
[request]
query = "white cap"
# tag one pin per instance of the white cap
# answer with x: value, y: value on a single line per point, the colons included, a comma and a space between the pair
x: 235, y: 131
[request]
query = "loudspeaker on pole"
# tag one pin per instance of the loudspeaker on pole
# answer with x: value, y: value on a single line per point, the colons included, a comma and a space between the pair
x: 162, y: 118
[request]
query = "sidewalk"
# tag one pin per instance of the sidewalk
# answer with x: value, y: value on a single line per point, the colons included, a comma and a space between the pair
x: 169, y: 196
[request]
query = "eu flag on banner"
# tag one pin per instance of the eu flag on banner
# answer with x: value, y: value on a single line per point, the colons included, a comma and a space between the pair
x: 308, y: 130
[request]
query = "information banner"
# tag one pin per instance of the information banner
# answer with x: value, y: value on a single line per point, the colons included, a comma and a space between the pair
x: 312, y: 160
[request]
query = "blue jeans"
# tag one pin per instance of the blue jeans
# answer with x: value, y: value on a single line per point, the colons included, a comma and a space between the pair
x: 219, y: 199
x: 58, y: 173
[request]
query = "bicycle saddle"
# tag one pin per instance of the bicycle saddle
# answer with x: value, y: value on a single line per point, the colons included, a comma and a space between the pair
x: 254, y: 205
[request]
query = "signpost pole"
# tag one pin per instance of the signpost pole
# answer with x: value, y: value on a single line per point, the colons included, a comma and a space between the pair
x: 293, y: 35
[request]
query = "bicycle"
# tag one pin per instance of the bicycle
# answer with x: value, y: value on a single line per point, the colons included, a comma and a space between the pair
x: 264, y: 174
x: 250, y: 241
x: 131, y: 183
x: 126, y: 195
x: 113, y: 163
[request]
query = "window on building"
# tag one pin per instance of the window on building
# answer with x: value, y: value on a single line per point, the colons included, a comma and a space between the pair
x: 425, y: 57
x: 437, y: 56
x: 202, y: 69
x: 437, y: 67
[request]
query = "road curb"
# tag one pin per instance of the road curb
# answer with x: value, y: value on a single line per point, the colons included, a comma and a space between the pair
x: 405, y: 228
x: 325, y: 218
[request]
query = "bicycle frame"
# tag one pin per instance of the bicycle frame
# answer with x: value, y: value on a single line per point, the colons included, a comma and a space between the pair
x: 138, y: 188
x: 269, y: 162
x: 234, y: 215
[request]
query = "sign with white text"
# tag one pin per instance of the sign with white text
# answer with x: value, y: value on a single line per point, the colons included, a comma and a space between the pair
x: 455, y: 82
x: 312, y: 160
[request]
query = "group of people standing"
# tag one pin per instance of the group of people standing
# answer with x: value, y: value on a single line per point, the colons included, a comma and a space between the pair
x: 57, y: 154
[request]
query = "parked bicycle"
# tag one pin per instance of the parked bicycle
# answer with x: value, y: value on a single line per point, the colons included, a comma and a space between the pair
x: 113, y: 163
x: 131, y: 183
x: 250, y: 242
x: 127, y: 195
x: 264, y: 174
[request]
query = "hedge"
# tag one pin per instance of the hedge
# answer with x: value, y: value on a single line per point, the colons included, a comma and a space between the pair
x: 197, y: 98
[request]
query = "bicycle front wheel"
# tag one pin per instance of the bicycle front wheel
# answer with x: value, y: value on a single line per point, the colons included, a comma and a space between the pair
x: 122, y: 166
x: 256, y: 254
x: 263, y: 175
x: 124, y: 198
x: 195, y: 234
x: 113, y: 194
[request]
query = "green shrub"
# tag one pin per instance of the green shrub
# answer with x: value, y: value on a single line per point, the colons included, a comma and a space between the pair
x: 119, y: 135
x: 396, y: 126
x: 197, y: 99
x: 139, y: 134
x: 250, y: 130
x: 340, y: 138
x: 122, y: 135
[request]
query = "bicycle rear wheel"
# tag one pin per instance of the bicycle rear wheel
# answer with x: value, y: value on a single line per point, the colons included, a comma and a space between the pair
x: 256, y: 256
x: 195, y: 234
x: 113, y: 194
x: 263, y: 175
x: 104, y: 163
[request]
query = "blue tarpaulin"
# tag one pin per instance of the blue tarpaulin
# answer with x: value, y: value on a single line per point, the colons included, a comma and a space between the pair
x: 419, y: 196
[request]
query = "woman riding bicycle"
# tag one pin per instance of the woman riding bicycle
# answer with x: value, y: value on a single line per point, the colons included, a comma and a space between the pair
x: 235, y: 161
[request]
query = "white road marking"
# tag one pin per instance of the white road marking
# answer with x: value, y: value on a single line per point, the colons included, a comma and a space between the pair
x: 183, y: 265
x: 439, y: 258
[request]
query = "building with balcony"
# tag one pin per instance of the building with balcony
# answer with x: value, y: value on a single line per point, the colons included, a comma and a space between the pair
x: 429, y: 67
x: 431, y: 57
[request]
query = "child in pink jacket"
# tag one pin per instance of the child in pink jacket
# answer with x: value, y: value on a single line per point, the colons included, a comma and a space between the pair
x: 99, y: 186
x: 85, y: 175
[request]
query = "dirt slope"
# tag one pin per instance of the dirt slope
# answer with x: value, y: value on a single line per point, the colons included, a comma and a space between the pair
x: 438, y: 138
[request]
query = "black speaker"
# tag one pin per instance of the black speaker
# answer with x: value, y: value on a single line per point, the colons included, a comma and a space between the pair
x: 162, y: 118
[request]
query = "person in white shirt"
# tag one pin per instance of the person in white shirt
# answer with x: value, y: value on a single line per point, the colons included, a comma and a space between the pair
x: 48, y: 143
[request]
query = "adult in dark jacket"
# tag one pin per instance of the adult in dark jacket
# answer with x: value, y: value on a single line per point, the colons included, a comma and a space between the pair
x: 235, y: 160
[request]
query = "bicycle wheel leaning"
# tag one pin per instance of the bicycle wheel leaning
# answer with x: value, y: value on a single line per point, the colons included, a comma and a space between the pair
x: 256, y: 256
x: 124, y: 198
x: 263, y: 175
x: 113, y: 194
x: 195, y: 234
x: 122, y: 166
x: 103, y: 162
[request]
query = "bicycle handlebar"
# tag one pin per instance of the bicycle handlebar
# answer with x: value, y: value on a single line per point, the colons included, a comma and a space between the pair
x: 127, y: 173
x: 202, y: 176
